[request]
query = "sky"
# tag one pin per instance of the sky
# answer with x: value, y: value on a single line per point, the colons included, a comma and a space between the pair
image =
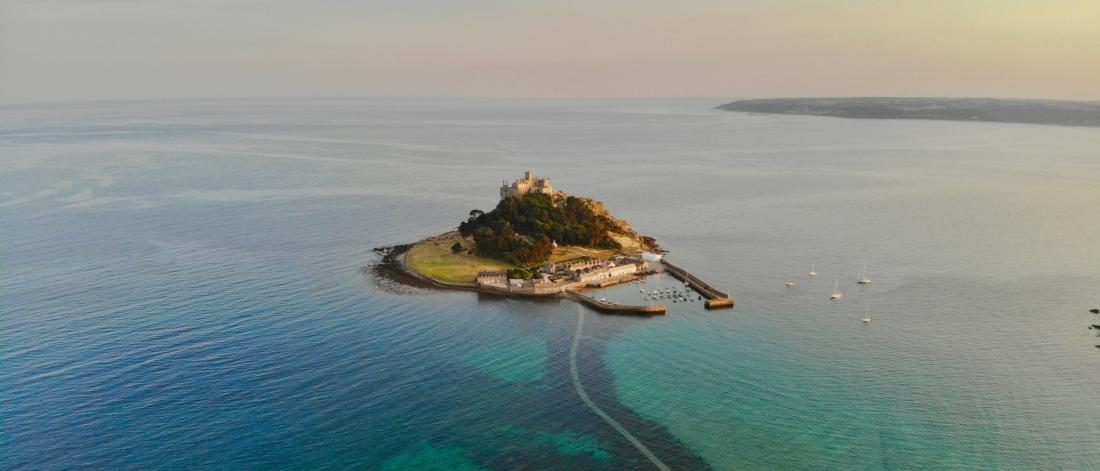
x: 61, y: 50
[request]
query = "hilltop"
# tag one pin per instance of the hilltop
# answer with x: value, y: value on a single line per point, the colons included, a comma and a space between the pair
x: 532, y: 228
x: 1056, y: 112
x: 525, y: 229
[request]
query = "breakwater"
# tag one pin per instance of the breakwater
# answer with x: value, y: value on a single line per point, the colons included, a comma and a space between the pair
x: 715, y: 298
x: 609, y: 307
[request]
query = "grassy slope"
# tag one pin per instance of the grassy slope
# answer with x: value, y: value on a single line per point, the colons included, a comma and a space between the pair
x: 571, y: 252
x: 434, y: 258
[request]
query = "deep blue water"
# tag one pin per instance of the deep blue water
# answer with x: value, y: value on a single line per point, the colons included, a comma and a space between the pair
x: 182, y: 289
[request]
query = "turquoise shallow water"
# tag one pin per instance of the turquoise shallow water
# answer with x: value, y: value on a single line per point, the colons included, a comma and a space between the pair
x: 181, y: 289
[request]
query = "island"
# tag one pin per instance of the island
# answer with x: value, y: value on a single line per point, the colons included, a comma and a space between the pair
x: 1053, y: 112
x: 540, y: 242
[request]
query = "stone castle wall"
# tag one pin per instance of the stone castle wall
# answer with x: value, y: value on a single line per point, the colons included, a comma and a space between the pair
x: 528, y: 184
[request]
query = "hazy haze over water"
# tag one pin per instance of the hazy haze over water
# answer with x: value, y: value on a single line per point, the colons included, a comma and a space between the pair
x: 181, y: 289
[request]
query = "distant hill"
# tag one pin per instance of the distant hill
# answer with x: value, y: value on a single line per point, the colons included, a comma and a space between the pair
x: 1057, y: 112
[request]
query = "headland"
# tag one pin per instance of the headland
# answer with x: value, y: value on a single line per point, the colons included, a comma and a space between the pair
x: 1053, y: 112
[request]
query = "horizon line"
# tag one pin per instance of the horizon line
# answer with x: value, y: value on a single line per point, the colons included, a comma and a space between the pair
x: 505, y: 98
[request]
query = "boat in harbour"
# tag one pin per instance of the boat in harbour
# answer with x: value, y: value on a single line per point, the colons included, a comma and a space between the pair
x: 836, y: 290
x: 863, y: 280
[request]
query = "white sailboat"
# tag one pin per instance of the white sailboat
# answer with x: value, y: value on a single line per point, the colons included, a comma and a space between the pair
x: 863, y: 280
x: 790, y: 281
x: 836, y: 291
x: 866, y: 316
x: 812, y: 272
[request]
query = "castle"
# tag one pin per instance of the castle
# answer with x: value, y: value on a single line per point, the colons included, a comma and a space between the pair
x: 528, y: 184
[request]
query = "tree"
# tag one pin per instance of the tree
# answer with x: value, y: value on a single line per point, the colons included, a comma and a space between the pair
x: 520, y: 230
x: 457, y: 247
x: 467, y: 227
x: 519, y: 274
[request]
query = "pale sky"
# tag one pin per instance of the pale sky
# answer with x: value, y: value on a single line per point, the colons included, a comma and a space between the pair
x: 57, y: 50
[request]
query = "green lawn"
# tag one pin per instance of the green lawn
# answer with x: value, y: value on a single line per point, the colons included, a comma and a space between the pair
x: 435, y: 259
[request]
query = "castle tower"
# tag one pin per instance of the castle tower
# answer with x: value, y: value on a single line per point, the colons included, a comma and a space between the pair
x: 528, y: 184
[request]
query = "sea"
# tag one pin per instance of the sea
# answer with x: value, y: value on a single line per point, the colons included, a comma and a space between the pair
x: 188, y: 285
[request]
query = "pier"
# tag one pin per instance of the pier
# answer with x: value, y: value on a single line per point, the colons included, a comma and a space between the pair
x: 608, y: 307
x: 715, y: 299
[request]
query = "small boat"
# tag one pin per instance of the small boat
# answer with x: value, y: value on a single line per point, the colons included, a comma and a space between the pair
x: 790, y: 282
x: 866, y: 318
x: 1094, y: 311
x: 863, y: 280
x: 836, y: 291
x: 812, y: 272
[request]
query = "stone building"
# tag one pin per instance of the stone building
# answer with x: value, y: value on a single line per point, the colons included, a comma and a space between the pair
x: 620, y: 270
x: 584, y: 265
x: 595, y: 271
x: 498, y: 279
x: 528, y: 184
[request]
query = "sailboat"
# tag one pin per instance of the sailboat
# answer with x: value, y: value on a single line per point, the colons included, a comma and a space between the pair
x: 790, y: 282
x: 836, y: 291
x: 866, y: 317
x: 863, y: 280
x: 812, y: 272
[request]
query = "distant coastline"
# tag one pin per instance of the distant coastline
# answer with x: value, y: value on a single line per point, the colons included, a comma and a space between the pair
x: 1051, y: 112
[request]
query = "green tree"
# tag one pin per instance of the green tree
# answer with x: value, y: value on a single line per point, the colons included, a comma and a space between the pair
x: 521, y: 229
x: 519, y: 273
